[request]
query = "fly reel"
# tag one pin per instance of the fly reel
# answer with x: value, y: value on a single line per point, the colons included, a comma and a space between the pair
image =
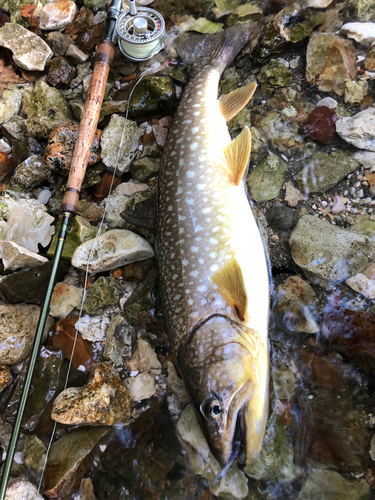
x: 141, y: 32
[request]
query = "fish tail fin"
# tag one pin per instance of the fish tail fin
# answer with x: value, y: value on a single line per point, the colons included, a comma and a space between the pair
x: 218, y: 49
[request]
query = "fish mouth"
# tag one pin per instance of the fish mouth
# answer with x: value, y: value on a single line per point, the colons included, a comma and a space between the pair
x: 239, y: 438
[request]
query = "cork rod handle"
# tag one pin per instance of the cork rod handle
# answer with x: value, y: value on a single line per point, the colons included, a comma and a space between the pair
x: 87, y: 129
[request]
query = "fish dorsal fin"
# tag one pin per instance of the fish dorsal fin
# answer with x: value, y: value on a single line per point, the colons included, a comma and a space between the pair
x: 232, y: 103
x: 229, y: 279
x: 237, y: 155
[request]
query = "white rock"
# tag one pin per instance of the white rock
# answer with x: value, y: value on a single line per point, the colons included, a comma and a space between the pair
x: 4, y: 146
x: 359, y: 129
x: 363, y: 33
x: 317, y: 4
x: 293, y: 195
x: 20, y: 489
x: 293, y: 63
x: 64, y: 299
x: 57, y: 15
x: 131, y: 187
x: 76, y: 54
x: 113, y: 249
x: 10, y: 104
x: 140, y: 387
x: 27, y: 223
x: 145, y: 359
x: 114, y: 156
x: 365, y: 158
x: 114, y: 204
x: 364, y: 283
x: 16, y: 257
x: 44, y: 196
x: 30, y: 52
x: 93, y: 328
x: 329, y: 102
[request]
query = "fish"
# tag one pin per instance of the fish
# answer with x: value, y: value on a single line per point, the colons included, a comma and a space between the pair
x: 213, y: 268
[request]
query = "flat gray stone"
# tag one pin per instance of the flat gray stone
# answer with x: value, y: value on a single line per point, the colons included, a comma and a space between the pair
x: 30, y: 52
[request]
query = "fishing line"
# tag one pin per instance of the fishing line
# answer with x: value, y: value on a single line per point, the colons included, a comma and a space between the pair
x: 87, y: 275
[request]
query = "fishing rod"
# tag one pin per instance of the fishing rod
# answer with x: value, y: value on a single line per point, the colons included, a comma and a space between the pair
x: 141, y: 31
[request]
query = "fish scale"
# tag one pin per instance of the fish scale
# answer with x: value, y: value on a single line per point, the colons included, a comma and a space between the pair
x: 213, y: 271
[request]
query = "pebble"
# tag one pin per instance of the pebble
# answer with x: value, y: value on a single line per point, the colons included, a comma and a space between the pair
x: 113, y: 249
x: 64, y: 299
x: 140, y: 387
x: 44, y: 196
x: 131, y: 187
x: 363, y: 33
x: 320, y: 125
x: 57, y: 15
x: 338, y: 205
x: 76, y: 54
x: 364, y: 282
x: 16, y: 257
x: 104, y: 400
x: 358, y: 130
x: 329, y: 102
x: 93, y: 328
x: 293, y: 195
x: 20, y: 489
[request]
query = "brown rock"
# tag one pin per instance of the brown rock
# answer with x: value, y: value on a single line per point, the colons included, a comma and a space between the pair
x: 320, y: 125
x: 82, y: 21
x: 370, y: 60
x: 89, y: 38
x: 104, y: 400
x: 101, y: 189
x: 64, y: 339
x: 330, y: 62
x: 5, y: 377
x: 60, y: 72
x: 58, y: 42
x: 61, y: 142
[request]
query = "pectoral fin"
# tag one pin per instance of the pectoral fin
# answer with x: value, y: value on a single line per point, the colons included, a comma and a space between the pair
x: 231, y: 284
x: 232, y: 103
x: 237, y: 155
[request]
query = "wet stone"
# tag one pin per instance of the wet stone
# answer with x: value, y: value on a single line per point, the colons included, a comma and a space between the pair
x: 324, y: 171
x: 140, y: 387
x: 111, y: 138
x: 69, y: 460
x: 314, y: 239
x: 76, y: 54
x: 23, y: 146
x: 45, y: 110
x: 359, y: 129
x: 59, y: 42
x: 104, y: 400
x: 143, y: 308
x: 16, y: 257
x: 115, y: 203
x: 108, y: 107
x: 86, y: 490
x: 5, y: 377
x: 44, y: 384
x: 276, y: 75
x: 94, y: 328
x: 364, y: 282
x: 29, y: 285
x: 64, y: 337
x: 355, y: 92
x: 57, y: 14
x: 101, y: 181
x: 10, y: 102
x: 17, y: 330
x: 21, y: 488
x: 60, y: 147
x: 89, y: 211
x: 267, y: 178
x: 30, y: 52
x: 120, y: 340
x: 34, y: 453
x: 320, y: 124
x: 145, y: 359
x: 81, y: 231
x: 64, y: 299
x: 360, y: 10
x: 88, y: 38
x: 280, y: 217
x: 370, y: 60
x: 148, y: 164
x: 153, y: 97
x: 104, y: 292
x: 31, y: 173
x: 295, y: 306
x: 330, y: 62
x: 60, y: 72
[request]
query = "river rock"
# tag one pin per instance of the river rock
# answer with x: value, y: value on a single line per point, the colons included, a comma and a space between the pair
x: 148, y: 164
x: 363, y: 33
x: 108, y: 107
x: 76, y: 54
x: 267, y: 178
x: 30, y: 52
x: 131, y: 187
x: 5, y: 377
x: 10, y: 102
x: 145, y: 359
x: 370, y: 60
x: 115, y: 203
x: 320, y: 125
x: 328, y: 252
x: 45, y: 109
x: 64, y: 299
x: 57, y: 14
x: 60, y: 147
x: 330, y: 62
x: 113, y: 249
x: 111, y: 139
x: 60, y: 72
x: 275, y: 75
x: 324, y: 171
x: 59, y: 42
x: 154, y: 97
x: 329, y: 484
x: 364, y: 282
x: 329, y: 102
x: 120, y: 340
x: 293, y: 195
x: 140, y: 387
x: 280, y: 217
x: 23, y: 146
x: 104, y: 400
x: 21, y: 488
x: 31, y: 173
x: 69, y: 460
x: 34, y: 453
x: 361, y: 10
x: 81, y: 231
x: 16, y: 257
x: 103, y: 293
x: 355, y: 91
x: 18, y: 325
x: 359, y: 129
x: 89, y: 211
x: 25, y: 222
x: 93, y: 328
x: 296, y: 306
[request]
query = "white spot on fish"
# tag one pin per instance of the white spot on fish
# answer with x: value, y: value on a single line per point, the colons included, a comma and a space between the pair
x: 194, y: 249
x: 181, y: 217
x: 214, y: 268
x: 181, y: 230
x: 213, y: 241
x: 173, y: 255
x: 173, y: 153
x: 213, y: 255
x: 194, y: 130
x: 194, y: 314
x: 170, y: 184
x: 181, y: 162
x: 201, y: 261
x: 202, y: 288
x: 179, y: 191
x: 216, y: 229
x: 198, y: 228
x: 179, y: 140
x: 185, y: 262
x: 190, y: 302
x: 196, y: 106
x: 194, y: 274
x: 190, y: 174
x: 170, y: 208
x: 206, y: 210
x: 201, y: 186
x: 196, y: 113
x: 198, y: 238
x: 193, y: 146
x: 203, y: 302
x: 190, y: 201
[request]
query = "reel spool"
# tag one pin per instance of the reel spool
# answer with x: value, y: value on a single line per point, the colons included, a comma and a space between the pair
x: 141, y: 32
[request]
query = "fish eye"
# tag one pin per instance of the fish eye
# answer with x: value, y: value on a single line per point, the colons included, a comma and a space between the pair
x: 212, y: 409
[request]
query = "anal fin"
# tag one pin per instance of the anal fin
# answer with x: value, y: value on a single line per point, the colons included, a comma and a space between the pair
x: 232, y: 103
x: 237, y: 155
x: 229, y: 279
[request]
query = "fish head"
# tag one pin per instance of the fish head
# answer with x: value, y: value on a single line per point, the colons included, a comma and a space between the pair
x: 229, y: 387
